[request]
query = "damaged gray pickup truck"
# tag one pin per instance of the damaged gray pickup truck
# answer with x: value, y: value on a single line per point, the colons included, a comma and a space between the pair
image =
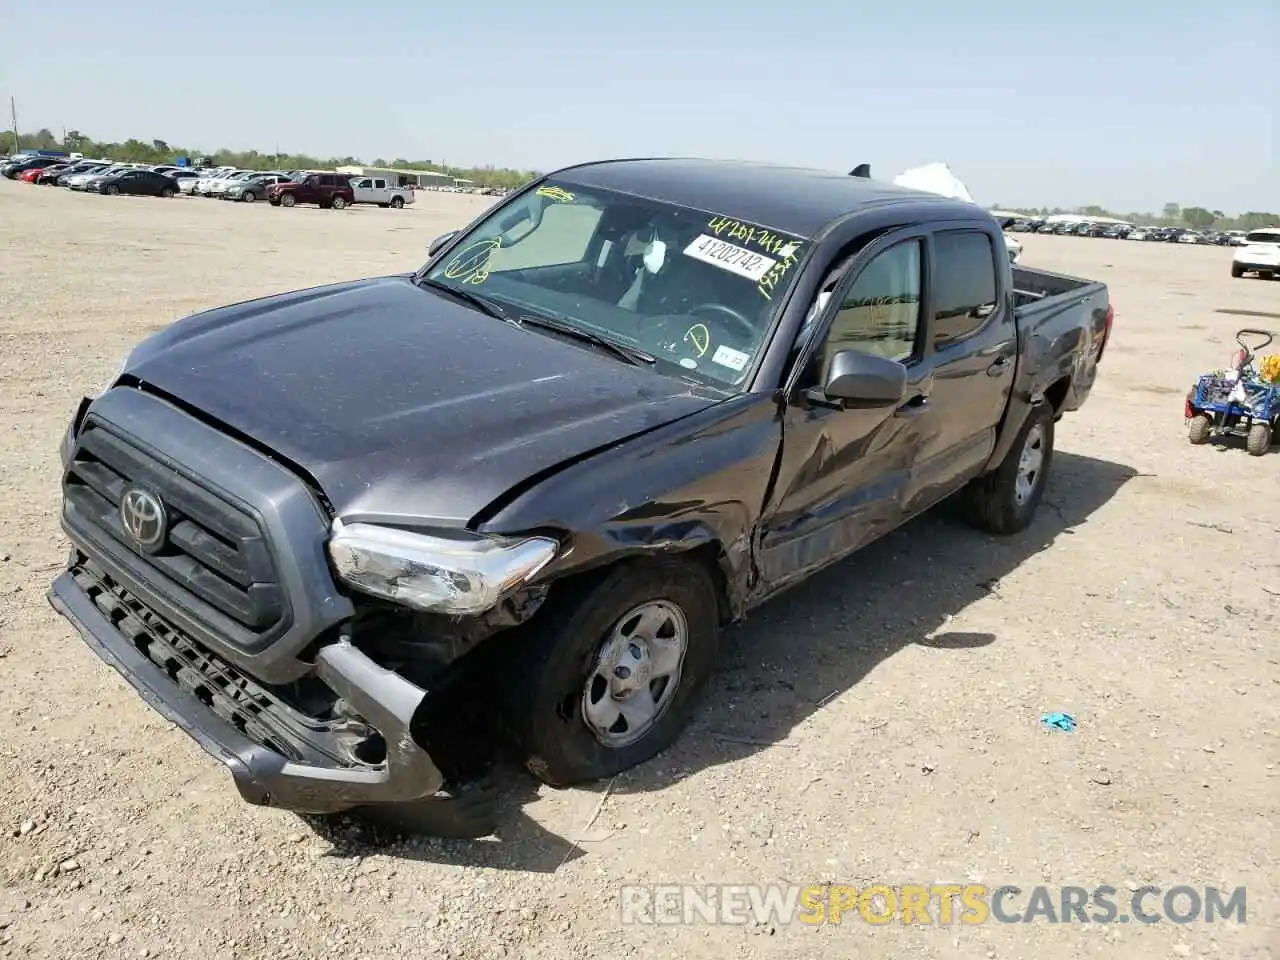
x: 626, y: 405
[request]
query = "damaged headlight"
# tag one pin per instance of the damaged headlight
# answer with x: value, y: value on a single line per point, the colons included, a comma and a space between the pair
x: 435, y: 573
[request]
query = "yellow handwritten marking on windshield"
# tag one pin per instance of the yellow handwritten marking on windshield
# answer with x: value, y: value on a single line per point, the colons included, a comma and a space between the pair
x: 700, y: 337
x: 769, y: 282
x: 555, y: 193
x: 774, y: 244
x: 471, y: 265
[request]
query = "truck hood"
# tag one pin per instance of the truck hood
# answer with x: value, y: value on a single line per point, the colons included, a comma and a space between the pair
x: 400, y: 403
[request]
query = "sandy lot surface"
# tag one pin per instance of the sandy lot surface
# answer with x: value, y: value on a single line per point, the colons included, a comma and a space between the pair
x: 878, y: 725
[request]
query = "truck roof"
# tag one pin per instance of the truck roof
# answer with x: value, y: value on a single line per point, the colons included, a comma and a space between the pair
x: 797, y: 200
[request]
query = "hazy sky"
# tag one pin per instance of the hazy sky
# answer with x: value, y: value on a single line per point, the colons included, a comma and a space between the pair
x: 1125, y: 103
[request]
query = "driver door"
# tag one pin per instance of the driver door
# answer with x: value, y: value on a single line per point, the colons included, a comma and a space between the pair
x: 843, y: 471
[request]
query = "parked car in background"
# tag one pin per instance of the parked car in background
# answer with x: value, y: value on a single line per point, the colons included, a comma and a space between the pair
x: 378, y: 191
x: 327, y: 190
x: 204, y: 183
x: 16, y: 168
x: 141, y: 183
x: 254, y: 187
x: 56, y: 177
x: 1260, y: 254
x: 79, y: 181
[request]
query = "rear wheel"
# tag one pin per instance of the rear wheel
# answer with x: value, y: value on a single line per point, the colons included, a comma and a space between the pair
x: 1237, y: 271
x: 1199, y: 428
x: 397, y: 202
x: 1004, y: 501
x: 168, y: 193
x: 1259, y: 441
x: 338, y: 203
x: 1264, y: 274
x: 611, y: 674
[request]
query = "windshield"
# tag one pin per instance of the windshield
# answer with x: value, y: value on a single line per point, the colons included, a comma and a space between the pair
x: 1263, y: 236
x: 695, y: 289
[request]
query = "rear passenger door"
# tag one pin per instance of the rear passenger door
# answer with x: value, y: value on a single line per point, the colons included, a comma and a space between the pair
x: 970, y: 349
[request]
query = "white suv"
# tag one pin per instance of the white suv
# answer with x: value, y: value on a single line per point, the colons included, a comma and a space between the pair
x: 1260, y: 254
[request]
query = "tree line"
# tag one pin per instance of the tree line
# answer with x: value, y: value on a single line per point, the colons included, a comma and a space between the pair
x: 160, y: 151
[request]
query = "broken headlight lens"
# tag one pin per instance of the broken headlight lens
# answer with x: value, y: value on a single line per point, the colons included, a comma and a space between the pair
x: 439, y: 574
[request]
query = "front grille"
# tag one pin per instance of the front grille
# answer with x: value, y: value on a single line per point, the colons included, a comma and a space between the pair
x: 260, y: 713
x: 214, y: 550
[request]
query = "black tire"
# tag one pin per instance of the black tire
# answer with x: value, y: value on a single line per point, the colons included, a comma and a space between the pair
x: 168, y: 193
x: 1237, y: 271
x: 397, y: 203
x: 1259, y: 441
x: 1264, y: 274
x: 288, y: 200
x: 993, y: 500
x: 1199, y: 429
x: 113, y: 190
x: 248, y: 196
x: 543, y: 711
x: 338, y: 203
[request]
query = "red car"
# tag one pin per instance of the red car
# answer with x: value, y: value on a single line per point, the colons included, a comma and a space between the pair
x: 29, y: 176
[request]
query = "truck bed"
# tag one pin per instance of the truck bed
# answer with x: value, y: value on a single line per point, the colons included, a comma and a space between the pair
x: 1033, y: 286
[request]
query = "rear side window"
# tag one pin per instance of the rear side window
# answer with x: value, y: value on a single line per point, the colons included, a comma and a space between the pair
x: 964, y: 284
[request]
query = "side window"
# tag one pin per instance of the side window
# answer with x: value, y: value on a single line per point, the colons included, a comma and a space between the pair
x: 380, y: 184
x: 880, y: 313
x: 964, y: 284
x: 366, y: 182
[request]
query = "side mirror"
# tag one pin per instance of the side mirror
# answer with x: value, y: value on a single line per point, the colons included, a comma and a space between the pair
x: 440, y: 241
x: 862, y: 378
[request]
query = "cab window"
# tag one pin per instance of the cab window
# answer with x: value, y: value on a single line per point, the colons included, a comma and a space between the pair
x: 964, y: 285
x: 879, y: 312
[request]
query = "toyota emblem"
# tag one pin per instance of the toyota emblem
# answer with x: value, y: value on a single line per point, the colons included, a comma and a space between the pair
x: 143, y: 517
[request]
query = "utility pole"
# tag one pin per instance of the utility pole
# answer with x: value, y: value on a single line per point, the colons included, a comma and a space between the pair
x: 13, y: 115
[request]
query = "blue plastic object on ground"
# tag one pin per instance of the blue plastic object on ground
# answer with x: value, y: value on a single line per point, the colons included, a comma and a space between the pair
x: 1059, y: 721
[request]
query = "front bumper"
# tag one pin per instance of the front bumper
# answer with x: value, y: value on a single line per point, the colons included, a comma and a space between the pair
x: 185, y: 684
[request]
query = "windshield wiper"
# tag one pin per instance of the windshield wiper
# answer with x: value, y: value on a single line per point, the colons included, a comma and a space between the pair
x: 483, y: 304
x: 631, y: 355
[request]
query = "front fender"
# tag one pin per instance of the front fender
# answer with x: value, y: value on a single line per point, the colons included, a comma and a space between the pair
x: 698, y: 482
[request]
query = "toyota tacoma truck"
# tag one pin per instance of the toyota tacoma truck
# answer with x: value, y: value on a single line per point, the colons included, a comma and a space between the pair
x: 616, y: 412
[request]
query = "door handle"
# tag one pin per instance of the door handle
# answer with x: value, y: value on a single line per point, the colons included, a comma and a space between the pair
x: 914, y: 407
x: 999, y: 366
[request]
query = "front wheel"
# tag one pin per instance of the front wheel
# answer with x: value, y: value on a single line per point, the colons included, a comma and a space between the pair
x: 288, y: 200
x: 1237, y: 271
x: 248, y: 196
x: 1004, y: 501
x: 1259, y: 441
x: 1199, y: 429
x: 113, y: 190
x: 611, y: 674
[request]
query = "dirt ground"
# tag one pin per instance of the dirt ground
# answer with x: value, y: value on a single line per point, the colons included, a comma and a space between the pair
x: 880, y: 724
